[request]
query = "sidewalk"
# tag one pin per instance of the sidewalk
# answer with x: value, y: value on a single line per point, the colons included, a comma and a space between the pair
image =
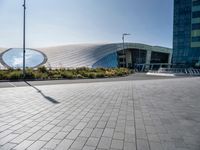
x: 129, y: 115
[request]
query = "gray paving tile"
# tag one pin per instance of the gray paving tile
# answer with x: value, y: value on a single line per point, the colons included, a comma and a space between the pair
x: 104, y: 143
x: 80, y: 126
x: 48, y: 127
x: 96, y: 115
x: 65, y: 144
x: 142, y: 145
x: 8, y: 146
x: 153, y: 138
x: 52, y: 144
x: 129, y: 138
x: 93, y: 141
x: 37, y: 145
x: 5, y: 133
x: 24, y: 145
x: 129, y: 146
x: 108, y: 132
x: 61, y: 135
x: 88, y: 148
x: 97, y: 132
x: 21, y: 137
x: 118, y: 135
x: 36, y: 135
x: 7, y: 138
x: 86, y: 132
x: 55, y: 129
x: 156, y: 146
x: 73, y: 134
x: 48, y: 136
x: 79, y: 143
x: 117, y: 144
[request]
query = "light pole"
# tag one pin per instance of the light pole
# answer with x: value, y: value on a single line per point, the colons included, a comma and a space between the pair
x: 24, y: 39
x: 123, y: 35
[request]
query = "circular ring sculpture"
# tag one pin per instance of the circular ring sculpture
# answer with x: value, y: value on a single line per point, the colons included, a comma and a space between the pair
x: 13, y: 58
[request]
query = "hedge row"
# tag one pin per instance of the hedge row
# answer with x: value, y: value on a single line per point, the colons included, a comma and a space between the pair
x: 79, y: 73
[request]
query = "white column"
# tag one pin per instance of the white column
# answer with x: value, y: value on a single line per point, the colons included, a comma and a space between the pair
x: 128, y: 58
x: 148, y: 59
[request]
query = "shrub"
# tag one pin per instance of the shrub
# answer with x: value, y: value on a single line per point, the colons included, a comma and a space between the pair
x: 83, y: 69
x: 100, y: 75
x: 132, y: 71
x: 42, y: 69
x: 68, y: 75
x: 92, y: 75
x: 2, y: 75
x: 57, y: 76
x: 110, y: 73
x: 44, y: 73
x: 30, y: 74
x: 84, y: 74
x: 79, y: 76
x: 10, y: 70
x: 15, y: 75
x: 39, y: 75
x: 119, y: 74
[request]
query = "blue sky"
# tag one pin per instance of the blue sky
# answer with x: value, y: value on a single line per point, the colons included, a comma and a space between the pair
x: 61, y: 22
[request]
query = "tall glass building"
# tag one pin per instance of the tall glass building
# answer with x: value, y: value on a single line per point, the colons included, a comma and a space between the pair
x: 186, y: 35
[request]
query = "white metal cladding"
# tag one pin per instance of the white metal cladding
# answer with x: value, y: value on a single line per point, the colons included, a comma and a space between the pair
x: 79, y: 55
x: 88, y: 54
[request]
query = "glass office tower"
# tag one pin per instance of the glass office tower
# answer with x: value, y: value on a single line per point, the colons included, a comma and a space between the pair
x: 186, y: 35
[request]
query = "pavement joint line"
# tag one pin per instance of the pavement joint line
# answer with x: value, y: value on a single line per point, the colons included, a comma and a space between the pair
x: 145, y: 126
x: 134, y: 116
x: 12, y: 84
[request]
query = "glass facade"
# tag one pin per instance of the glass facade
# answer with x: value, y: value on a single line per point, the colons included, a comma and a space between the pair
x: 138, y: 56
x: 186, y: 35
x: 157, y: 57
x: 109, y: 61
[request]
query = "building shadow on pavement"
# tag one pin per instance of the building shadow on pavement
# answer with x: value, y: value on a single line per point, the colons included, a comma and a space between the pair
x: 39, y: 91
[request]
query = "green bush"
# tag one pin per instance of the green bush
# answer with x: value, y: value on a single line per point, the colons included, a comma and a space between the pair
x: 2, y: 75
x: 11, y: 70
x: 131, y: 71
x: 92, y: 75
x: 80, y: 73
x: 57, y: 76
x: 42, y: 69
x: 100, y: 69
x: 15, y: 75
x: 84, y: 74
x: 68, y: 75
x: 100, y: 75
x: 79, y: 76
x: 30, y: 74
x: 39, y: 75
x: 82, y: 69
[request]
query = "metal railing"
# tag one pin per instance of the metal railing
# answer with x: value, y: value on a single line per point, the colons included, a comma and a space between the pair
x: 178, y: 71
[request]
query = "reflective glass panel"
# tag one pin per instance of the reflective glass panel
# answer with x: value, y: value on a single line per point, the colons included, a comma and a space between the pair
x: 14, y: 58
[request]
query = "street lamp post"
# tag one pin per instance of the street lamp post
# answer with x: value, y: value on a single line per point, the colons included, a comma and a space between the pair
x: 24, y: 39
x: 123, y: 35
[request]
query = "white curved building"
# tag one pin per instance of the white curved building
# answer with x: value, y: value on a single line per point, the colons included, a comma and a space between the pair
x: 101, y: 55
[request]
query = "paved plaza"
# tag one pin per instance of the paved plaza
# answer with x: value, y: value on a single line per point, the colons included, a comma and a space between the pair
x: 131, y: 115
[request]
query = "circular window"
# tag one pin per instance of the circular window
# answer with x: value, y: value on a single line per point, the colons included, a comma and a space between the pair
x: 13, y: 58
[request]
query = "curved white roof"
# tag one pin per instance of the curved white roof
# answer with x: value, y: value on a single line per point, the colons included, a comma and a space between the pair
x: 80, y: 55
